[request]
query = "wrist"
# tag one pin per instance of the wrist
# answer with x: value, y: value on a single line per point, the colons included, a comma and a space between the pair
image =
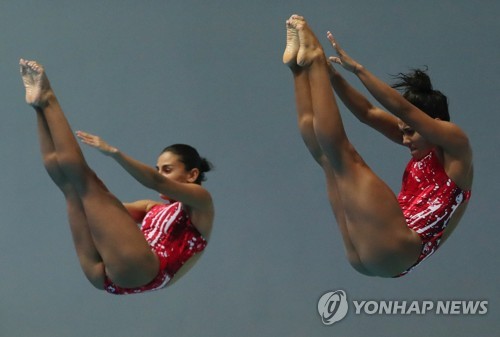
x: 357, y: 69
x: 113, y: 152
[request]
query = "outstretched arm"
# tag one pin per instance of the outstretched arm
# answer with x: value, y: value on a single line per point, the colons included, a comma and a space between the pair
x: 192, y: 195
x: 445, y: 134
x: 363, y: 109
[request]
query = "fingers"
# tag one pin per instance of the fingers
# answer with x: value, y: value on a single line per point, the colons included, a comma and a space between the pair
x: 96, y: 142
x: 332, y: 40
x: 87, y: 138
x: 330, y: 37
x: 335, y: 59
x: 84, y: 135
x: 336, y: 47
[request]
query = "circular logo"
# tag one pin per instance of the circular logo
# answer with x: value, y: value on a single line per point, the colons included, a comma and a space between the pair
x: 332, y: 307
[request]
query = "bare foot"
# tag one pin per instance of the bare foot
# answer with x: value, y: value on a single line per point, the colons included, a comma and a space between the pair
x: 36, y: 83
x: 292, y: 43
x: 309, y: 46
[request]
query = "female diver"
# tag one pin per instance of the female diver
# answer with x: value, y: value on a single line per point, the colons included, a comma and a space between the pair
x: 114, y: 253
x: 383, y: 235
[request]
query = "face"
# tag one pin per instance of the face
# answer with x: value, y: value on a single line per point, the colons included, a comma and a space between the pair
x: 418, y: 145
x: 170, y: 166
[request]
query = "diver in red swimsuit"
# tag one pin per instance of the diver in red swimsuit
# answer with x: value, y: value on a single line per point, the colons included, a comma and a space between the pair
x: 114, y: 253
x: 429, y: 198
x: 383, y: 235
x: 171, y: 235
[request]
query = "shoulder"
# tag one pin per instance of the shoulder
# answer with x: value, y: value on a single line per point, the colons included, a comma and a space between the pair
x: 201, y: 219
x: 459, y: 167
x: 453, y: 143
x: 452, y: 139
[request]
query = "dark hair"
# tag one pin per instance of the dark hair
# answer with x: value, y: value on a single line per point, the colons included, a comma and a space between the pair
x: 417, y: 89
x: 191, y: 159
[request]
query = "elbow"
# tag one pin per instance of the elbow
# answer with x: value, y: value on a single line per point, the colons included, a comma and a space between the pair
x: 155, y: 179
x: 150, y: 180
x: 368, y: 116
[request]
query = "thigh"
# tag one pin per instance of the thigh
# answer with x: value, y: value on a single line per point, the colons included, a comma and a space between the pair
x: 374, y: 220
x: 127, y: 256
x: 340, y: 217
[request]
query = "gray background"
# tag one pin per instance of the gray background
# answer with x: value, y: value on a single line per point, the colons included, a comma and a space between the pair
x: 145, y: 74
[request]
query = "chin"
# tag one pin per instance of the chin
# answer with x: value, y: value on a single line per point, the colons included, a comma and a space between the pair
x: 415, y: 152
x: 419, y: 154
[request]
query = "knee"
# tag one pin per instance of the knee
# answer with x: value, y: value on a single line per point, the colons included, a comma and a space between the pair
x: 75, y: 171
x: 51, y: 163
x: 342, y: 156
x: 63, y: 170
x: 334, y: 145
x: 70, y: 165
x: 306, y: 122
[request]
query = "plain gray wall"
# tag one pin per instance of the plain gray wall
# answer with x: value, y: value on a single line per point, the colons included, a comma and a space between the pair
x: 145, y: 74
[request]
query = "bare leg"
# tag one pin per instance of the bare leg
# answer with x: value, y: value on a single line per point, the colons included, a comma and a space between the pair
x: 373, y: 219
x: 90, y: 260
x: 305, y: 121
x: 126, y: 256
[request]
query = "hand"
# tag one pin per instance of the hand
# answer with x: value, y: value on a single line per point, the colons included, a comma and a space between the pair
x: 97, y: 142
x: 342, y: 58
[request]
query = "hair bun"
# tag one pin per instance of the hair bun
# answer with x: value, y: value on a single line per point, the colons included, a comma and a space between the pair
x: 417, y: 89
x: 416, y: 81
x: 420, y: 81
x: 205, y: 165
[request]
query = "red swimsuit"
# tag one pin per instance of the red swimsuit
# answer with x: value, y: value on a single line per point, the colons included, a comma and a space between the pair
x: 174, y: 239
x: 428, y: 199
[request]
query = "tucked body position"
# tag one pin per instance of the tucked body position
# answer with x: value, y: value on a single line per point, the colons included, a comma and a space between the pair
x: 384, y: 234
x: 115, y: 253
